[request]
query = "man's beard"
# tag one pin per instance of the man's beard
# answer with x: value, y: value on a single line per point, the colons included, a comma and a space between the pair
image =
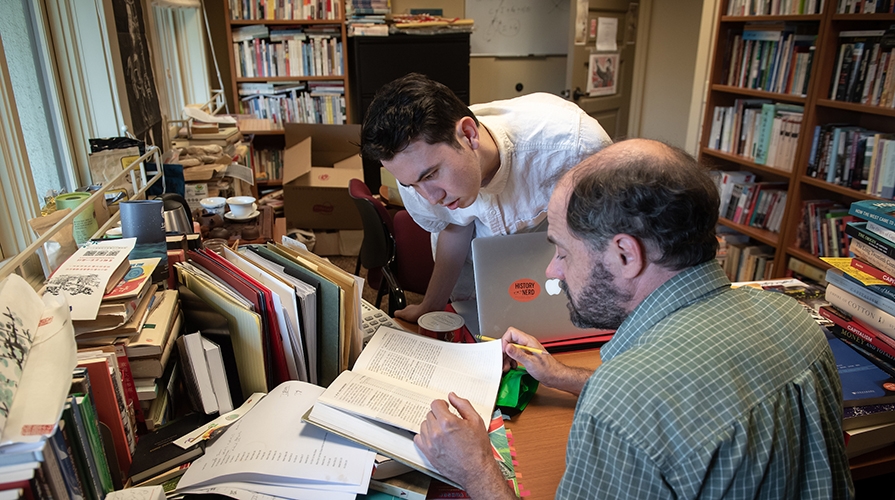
x: 600, y: 303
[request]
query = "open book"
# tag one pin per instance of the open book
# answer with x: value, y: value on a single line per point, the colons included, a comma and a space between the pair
x: 384, y: 399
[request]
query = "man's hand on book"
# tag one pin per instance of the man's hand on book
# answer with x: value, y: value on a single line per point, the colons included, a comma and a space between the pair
x: 460, y: 449
x: 520, y: 348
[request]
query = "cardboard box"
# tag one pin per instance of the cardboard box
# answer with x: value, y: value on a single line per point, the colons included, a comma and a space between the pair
x: 318, y: 162
x: 346, y: 242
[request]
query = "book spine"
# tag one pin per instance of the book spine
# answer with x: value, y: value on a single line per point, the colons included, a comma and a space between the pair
x: 88, y: 469
x: 872, y: 271
x: 860, y: 333
x: 861, y: 309
x: 127, y: 380
x: 874, y: 241
x: 91, y: 424
x: 878, y: 217
x: 64, y: 455
x: 867, y: 254
x: 857, y: 289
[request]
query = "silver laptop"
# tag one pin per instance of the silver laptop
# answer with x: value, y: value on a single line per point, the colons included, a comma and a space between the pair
x: 512, y: 289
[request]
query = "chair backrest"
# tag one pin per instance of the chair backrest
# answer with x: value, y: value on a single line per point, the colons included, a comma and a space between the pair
x: 413, y: 254
x: 378, y: 247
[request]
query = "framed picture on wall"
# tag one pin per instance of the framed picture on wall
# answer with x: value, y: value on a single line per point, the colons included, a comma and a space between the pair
x: 602, y: 74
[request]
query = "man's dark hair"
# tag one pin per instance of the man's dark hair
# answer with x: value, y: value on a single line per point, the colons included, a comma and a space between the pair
x: 668, y: 201
x: 410, y: 108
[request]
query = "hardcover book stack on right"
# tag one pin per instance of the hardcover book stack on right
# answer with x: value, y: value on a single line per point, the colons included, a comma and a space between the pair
x: 862, y: 309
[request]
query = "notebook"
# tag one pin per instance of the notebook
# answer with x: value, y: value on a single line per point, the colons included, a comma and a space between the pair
x: 512, y: 289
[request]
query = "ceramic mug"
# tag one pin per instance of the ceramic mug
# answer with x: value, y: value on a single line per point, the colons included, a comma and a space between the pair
x: 213, y: 205
x: 241, y: 206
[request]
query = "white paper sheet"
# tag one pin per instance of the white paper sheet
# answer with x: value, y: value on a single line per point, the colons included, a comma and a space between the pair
x: 227, y: 419
x: 607, y: 32
x: 256, y: 491
x: 272, y: 444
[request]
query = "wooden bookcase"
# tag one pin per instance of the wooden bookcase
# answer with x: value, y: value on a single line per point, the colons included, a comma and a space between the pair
x: 819, y: 110
x: 274, y: 138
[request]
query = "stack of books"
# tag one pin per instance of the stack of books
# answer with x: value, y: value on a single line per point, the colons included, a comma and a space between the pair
x: 862, y: 311
x: 367, y: 17
x: 868, y: 386
x: 38, y: 358
x: 124, y: 307
x: 149, y: 354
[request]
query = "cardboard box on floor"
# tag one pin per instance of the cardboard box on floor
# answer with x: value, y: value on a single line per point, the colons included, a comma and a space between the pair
x: 318, y: 162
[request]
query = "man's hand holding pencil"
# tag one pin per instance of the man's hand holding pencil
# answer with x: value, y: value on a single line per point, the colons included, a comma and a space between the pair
x: 519, y: 348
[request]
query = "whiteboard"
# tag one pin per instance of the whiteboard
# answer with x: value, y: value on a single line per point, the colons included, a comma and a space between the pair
x: 519, y: 27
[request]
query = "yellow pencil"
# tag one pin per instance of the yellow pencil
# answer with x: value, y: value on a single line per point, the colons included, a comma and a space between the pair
x: 523, y: 347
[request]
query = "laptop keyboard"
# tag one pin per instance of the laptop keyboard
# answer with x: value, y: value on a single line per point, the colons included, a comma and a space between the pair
x: 372, y: 318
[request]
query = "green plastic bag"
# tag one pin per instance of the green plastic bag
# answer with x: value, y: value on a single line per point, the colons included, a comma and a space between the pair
x: 516, y: 389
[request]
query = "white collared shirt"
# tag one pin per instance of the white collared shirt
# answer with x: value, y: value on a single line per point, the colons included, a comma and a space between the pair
x: 538, y: 136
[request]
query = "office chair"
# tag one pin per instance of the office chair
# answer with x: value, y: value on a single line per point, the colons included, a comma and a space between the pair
x: 396, y: 253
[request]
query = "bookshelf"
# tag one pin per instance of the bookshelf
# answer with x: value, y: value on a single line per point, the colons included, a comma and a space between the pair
x: 728, y: 89
x: 287, y: 65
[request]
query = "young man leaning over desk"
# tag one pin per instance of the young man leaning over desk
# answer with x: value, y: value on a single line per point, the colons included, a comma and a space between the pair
x: 473, y: 171
x: 704, y: 391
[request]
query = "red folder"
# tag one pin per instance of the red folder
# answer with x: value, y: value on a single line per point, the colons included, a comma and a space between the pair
x: 260, y: 296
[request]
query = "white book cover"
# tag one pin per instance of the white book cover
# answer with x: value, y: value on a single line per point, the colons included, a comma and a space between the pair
x: 196, y: 369
x: 83, y: 277
x: 218, y: 375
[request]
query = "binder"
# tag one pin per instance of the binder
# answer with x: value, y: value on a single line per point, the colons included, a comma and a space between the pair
x: 260, y: 296
x: 329, y: 299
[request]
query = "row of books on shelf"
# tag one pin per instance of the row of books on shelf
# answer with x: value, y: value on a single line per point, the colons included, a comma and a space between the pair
x: 746, y: 201
x: 775, y: 60
x: 267, y: 164
x: 864, y: 6
x: 759, y: 130
x: 822, y: 228
x: 319, y: 104
x: 864, y: 68
x: 854, y: 157
x: 773, y: 7
x: 743, y: 261
x: 285, y: 9
x: 287, y: 52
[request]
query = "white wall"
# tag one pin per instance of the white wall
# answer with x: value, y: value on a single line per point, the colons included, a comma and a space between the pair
x: 676, y: 60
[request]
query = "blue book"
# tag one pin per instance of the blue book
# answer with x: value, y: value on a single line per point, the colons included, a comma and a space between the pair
x: 881, y: 212
x: 873, y: 294
x: 863, y: 383
x: 60, y: 448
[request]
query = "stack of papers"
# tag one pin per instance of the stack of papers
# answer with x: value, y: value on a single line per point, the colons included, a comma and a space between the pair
x: 271, y: 452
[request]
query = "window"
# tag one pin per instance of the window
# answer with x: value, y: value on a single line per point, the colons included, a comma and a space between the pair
x: 62, y: 83
x: 180, y: 36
